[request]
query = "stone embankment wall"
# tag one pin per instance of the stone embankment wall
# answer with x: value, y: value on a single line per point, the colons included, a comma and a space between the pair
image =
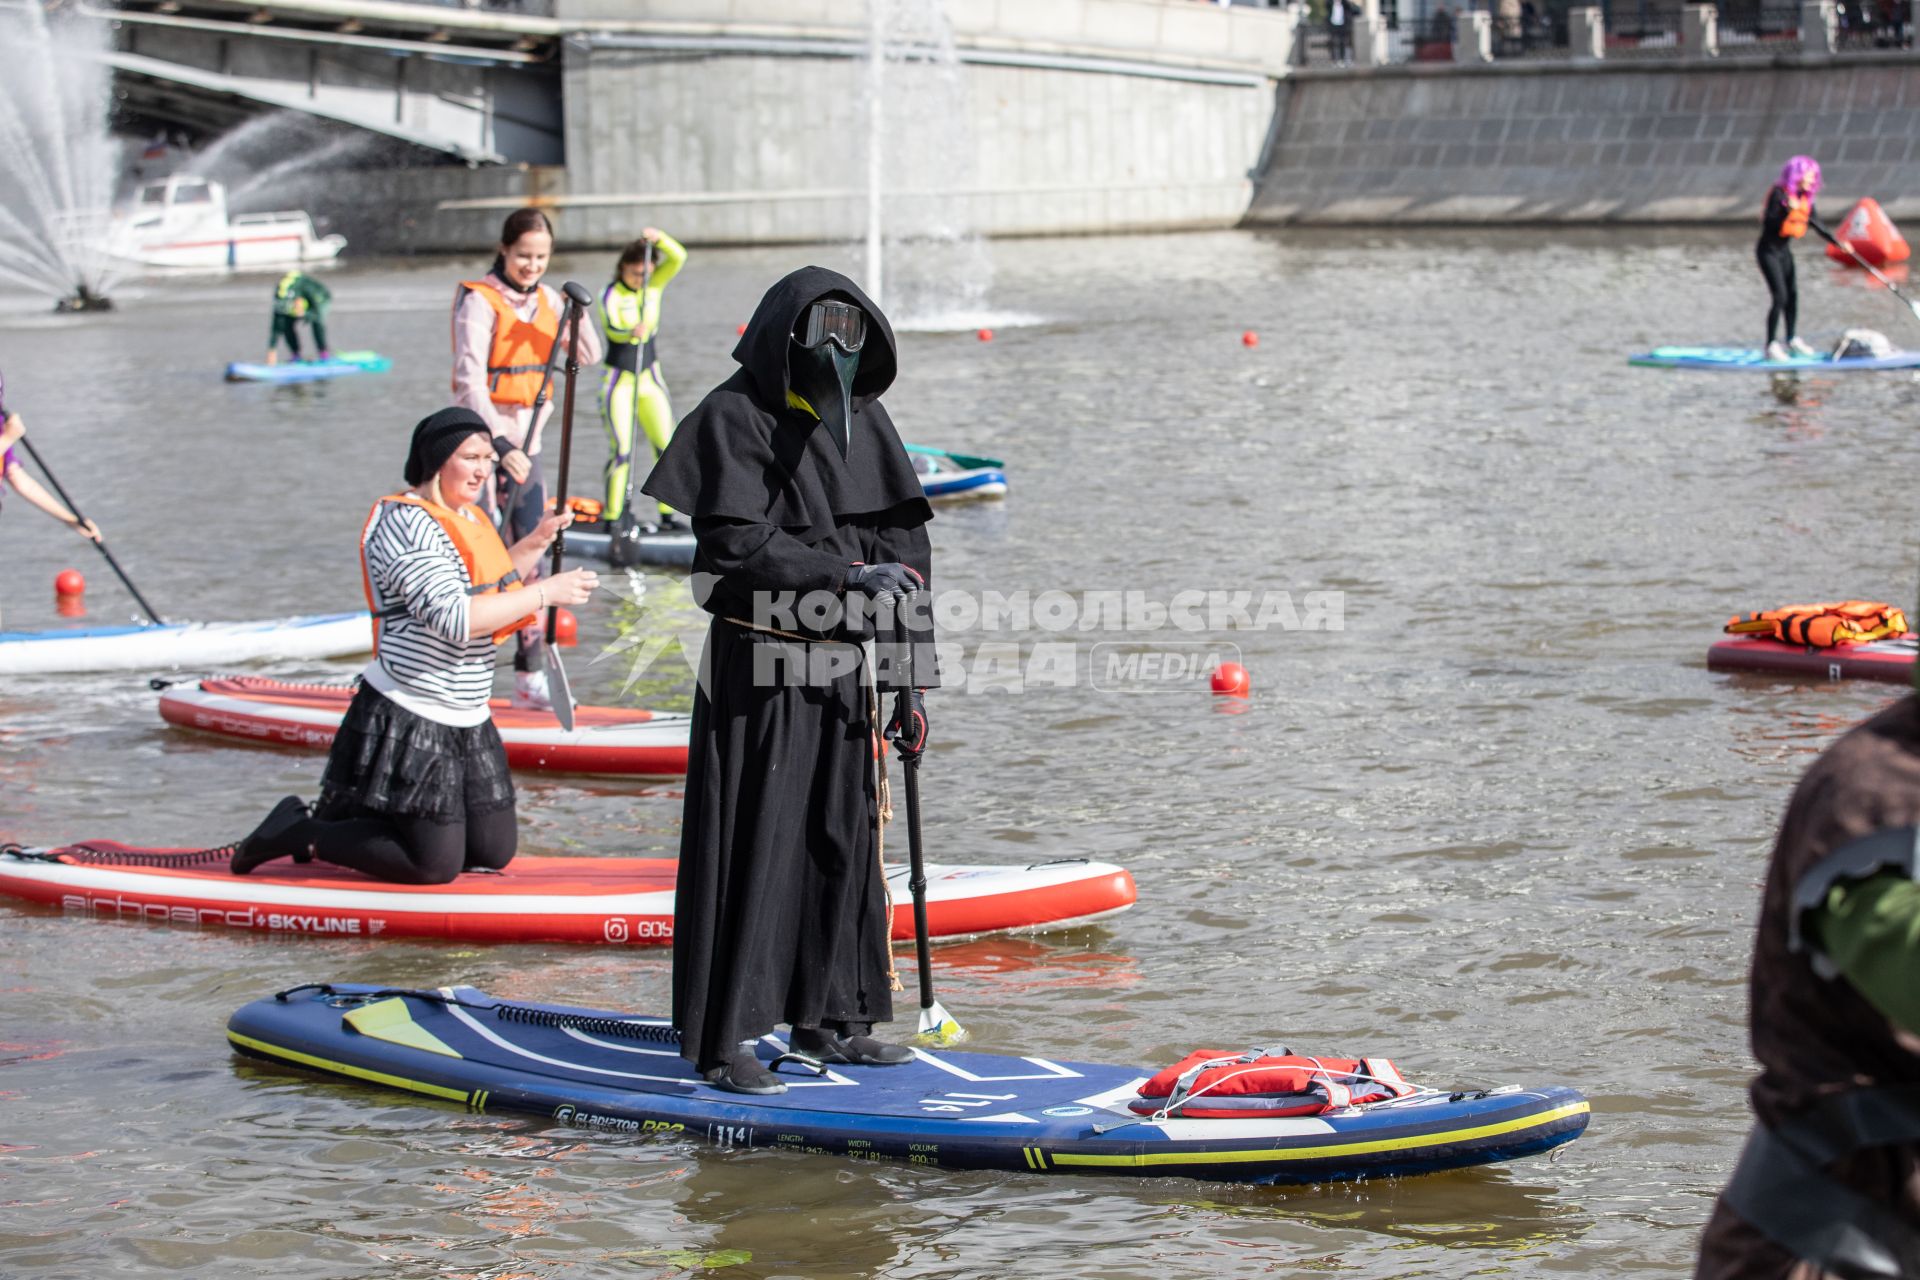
x: 1694, y: 140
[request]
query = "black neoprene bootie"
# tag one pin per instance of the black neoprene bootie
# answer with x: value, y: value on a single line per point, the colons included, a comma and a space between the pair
x: 270, y: 840
x: 831, y: 1047
x: 744, y: 1074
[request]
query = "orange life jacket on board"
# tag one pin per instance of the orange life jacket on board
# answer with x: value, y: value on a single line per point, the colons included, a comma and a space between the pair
x: 489, y: 568
x: 1822, y: 626
x: 517, y: 364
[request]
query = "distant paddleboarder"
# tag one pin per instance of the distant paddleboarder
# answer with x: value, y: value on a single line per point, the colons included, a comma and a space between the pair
x: 14, y: 475
x: 1788, y: 216
x: 809, y: 518
x: 297, y: 298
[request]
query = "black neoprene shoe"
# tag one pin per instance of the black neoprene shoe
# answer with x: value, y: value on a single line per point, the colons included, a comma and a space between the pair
x: 859, y: 1051
x: 744, y: 1074
x: 266, y: 841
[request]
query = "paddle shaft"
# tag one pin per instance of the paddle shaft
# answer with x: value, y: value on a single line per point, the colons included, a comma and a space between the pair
x: 74, y: 507
x: 917, y: 878
x: 916, y: 849
x: 1874, y: 272
x: 572, y: 330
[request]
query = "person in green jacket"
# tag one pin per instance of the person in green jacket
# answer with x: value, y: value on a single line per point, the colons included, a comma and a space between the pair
x: 1829, y: 1181
x: 298, y: 297
x: 634, y: 387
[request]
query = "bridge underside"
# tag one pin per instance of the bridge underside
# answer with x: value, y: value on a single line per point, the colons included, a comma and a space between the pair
x: 473, y: 103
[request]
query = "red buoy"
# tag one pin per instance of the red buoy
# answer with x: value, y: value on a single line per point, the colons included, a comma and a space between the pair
x: 739, y: 329
x: 68, y: 582
x: 566, y: 627
x: 985, y: 335
x: 1249, y: 339
x: 1231, y: 680
x: 1871, y: 234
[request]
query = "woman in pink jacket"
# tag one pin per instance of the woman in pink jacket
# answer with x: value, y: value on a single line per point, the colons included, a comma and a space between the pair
x: 505, y: 327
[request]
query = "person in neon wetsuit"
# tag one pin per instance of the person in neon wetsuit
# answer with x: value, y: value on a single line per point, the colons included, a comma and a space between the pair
x: 298, y: 297
x: 634, y: 387
x: 505, y: 328
x: 13, y: 473
x: 1788, y: 216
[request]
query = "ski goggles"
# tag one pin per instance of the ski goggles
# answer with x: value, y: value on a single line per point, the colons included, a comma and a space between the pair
x: 842, y: 322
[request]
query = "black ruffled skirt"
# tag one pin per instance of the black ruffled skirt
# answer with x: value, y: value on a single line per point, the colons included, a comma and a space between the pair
x: 387, y: 760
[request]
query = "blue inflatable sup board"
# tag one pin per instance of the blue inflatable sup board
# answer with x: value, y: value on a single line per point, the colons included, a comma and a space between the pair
x: 619, y: 1073
x: 1753, y: 360
x: 343, y: 364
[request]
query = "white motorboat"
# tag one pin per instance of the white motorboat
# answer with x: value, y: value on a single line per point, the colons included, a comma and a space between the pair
x: 183, y: 222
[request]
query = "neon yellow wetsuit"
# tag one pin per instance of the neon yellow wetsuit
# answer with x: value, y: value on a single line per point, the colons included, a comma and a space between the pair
x: 634, y: 386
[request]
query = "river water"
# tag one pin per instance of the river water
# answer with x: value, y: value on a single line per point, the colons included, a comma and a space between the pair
x: 1501, y: 826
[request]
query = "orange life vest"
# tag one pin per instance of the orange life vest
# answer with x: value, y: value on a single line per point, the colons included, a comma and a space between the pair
x: 1822, y: 626
x: 484, y: 555
x: 1794, y: 225
x: 517, y: 364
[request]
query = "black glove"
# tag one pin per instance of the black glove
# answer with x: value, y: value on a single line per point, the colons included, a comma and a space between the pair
x: 908, y: 728
x: 889, y: 579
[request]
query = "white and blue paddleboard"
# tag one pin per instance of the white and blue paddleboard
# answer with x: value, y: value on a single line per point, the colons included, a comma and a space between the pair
x: 343, y: 364
x: 958, y: 475
x: 184, y: 644
x: 617, y: 1073
x: 1754, y: 360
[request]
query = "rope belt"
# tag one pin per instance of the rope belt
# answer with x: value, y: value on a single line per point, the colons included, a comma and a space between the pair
x: 883, y: 790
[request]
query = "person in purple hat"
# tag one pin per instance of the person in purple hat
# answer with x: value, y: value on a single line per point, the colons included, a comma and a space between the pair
x: 1788, y: 216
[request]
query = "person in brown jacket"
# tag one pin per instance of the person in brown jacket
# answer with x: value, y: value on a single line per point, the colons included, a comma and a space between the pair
x: 1829, y: 1182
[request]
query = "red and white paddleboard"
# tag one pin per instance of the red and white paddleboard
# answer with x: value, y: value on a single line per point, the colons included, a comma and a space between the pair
x: 1888, y: 660
x: 618, y: 901
x: 604, y: 740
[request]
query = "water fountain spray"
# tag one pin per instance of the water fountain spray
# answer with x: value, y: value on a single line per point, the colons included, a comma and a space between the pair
x: 57, y: 157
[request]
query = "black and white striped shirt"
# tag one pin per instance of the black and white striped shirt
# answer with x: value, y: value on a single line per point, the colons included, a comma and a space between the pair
x: 427, y: 663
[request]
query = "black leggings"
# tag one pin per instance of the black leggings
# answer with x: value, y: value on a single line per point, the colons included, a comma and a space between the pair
x: 1777, y: 267
x: 288, y: 327
x: 411, y: 850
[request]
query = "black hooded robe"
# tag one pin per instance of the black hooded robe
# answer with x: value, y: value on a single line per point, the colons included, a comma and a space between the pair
x: 780, y: 913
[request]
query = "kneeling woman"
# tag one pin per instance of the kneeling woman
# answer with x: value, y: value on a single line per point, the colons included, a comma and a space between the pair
x: 416, y: 788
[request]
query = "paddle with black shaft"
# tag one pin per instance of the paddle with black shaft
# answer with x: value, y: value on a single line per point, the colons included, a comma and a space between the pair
x: 937, y: 1026
x: 578, y: 300
x: 101, y: 543
x: 1874, y: 272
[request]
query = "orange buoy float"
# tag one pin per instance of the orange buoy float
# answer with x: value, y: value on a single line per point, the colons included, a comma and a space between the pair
x: 1249, y: 339
x: 566, y: 627
x: 1871, y: 234
x: 1230, y: 680
x: 68, y: 582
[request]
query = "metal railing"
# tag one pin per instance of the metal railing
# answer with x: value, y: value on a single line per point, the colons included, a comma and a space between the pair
x: 1751, y: 28
x: 1648, y: 31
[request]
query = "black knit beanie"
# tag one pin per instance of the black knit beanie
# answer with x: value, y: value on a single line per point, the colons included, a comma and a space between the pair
x: 436, y: 436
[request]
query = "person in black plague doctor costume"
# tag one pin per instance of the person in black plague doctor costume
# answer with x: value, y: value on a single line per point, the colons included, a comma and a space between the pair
x: 811, y: 529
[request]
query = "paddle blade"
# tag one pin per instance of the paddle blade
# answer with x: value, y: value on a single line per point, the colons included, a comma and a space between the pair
x: 938, y: 1028
x: 559, y: 689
